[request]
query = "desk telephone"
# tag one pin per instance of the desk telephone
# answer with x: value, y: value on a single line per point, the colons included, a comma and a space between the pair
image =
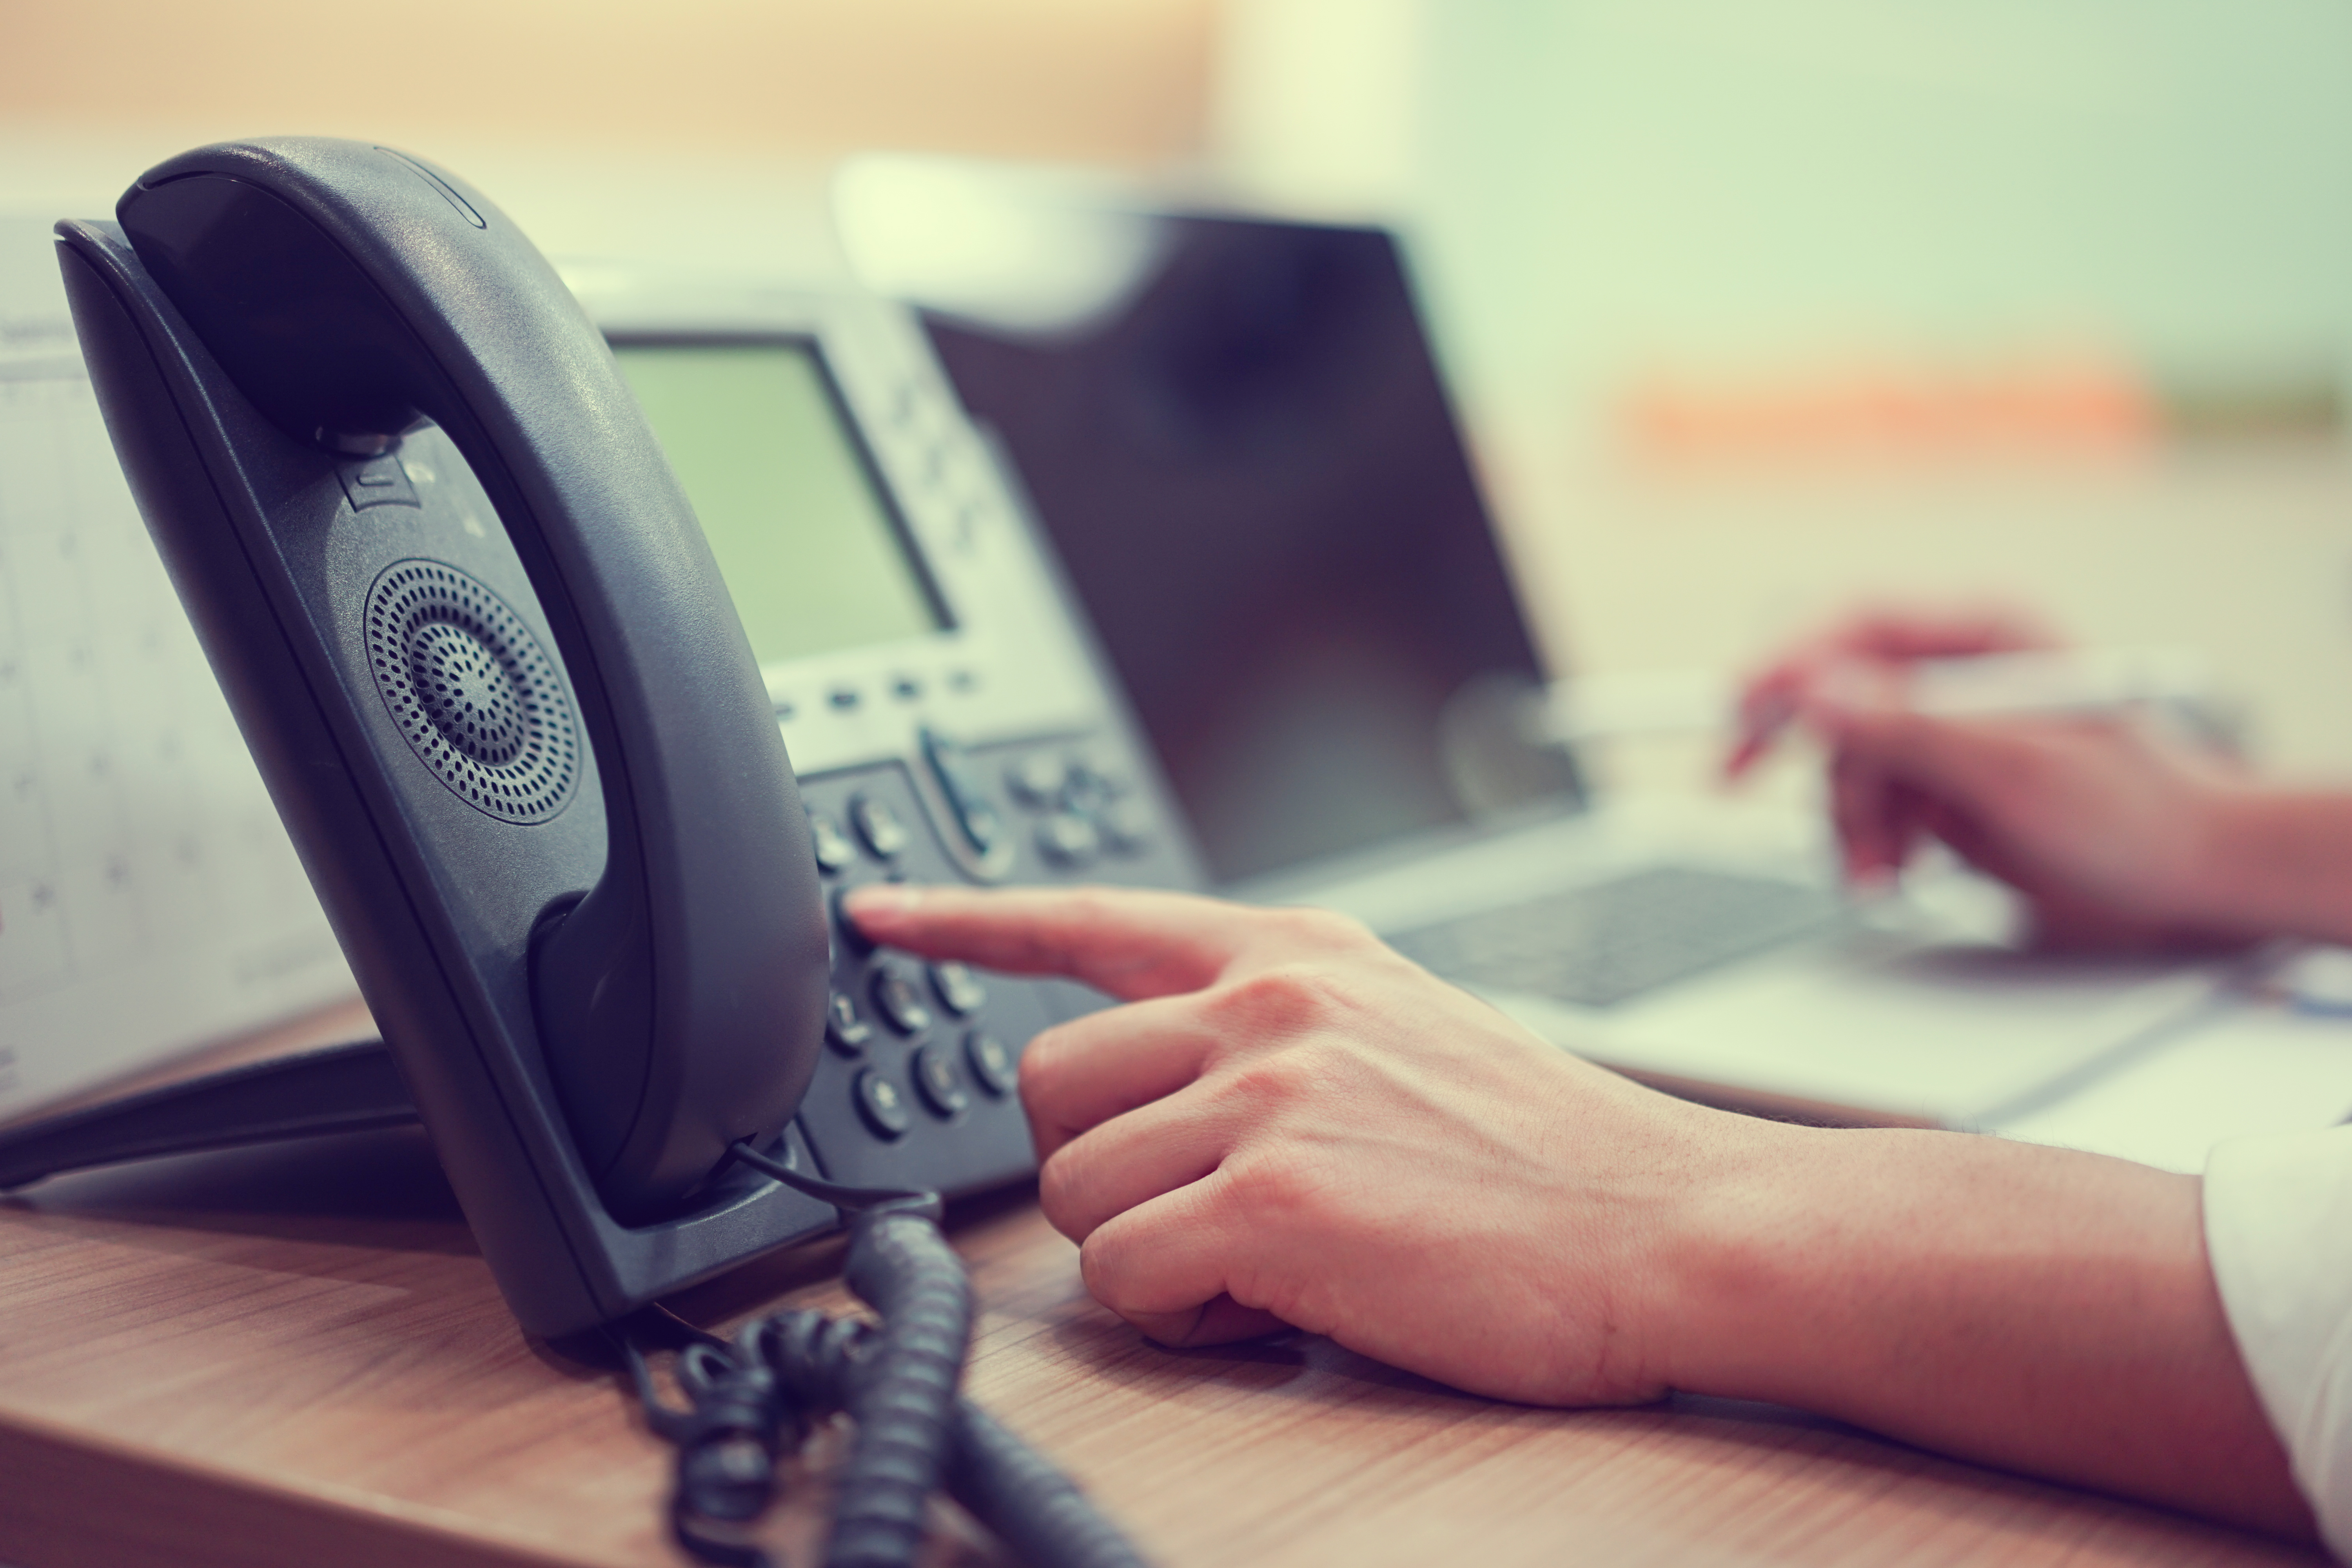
x: 534, y: 758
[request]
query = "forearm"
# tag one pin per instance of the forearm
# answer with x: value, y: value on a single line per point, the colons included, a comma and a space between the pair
x: 2278, y: 862
x: 2041, y: 1310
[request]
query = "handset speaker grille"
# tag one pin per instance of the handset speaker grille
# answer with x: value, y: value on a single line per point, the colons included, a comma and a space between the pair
x: 470, y: 686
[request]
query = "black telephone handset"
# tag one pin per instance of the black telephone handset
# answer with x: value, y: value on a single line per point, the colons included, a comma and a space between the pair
x: 531, y: 768
x: 353, y: 295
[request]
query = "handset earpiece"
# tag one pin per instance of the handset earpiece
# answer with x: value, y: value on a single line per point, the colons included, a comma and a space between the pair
x: 352, y: 294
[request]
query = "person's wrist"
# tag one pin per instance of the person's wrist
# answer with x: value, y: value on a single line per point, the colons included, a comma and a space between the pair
x: 1726, y: 1280
x: 2255, y: 855
x: 2280, y: 863
x: 2209, y: 878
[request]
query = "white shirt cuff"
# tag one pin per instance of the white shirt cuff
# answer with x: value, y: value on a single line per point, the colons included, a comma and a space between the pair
x: 2278, y: 1230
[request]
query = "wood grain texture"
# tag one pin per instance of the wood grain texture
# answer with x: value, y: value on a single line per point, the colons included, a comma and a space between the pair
x: 294, y: 1356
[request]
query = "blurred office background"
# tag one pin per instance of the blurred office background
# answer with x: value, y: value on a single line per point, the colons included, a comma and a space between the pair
x: 1753, y: 306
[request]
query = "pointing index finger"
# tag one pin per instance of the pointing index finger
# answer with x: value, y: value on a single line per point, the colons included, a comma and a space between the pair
x: 1130, y: 942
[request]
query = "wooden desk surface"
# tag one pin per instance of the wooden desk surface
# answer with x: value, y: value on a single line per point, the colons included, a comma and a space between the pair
x: 294, y: 1356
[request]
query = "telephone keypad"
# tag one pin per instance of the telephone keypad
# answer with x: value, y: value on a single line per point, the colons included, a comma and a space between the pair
x: 937, y: 1081
x: 882, y: 1105
x: 991, y: 1062
x: 959, y: 989
x: 846, y: 1028
x: 931, y: 1096
x: 900, y: 1000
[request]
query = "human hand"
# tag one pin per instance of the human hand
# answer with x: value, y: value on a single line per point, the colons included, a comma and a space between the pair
x: 2105, y: 829
x: 1291, y: 1125
x: 1884, y: 641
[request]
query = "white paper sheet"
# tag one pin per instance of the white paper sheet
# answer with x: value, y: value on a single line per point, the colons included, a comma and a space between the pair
x: 149, y: 898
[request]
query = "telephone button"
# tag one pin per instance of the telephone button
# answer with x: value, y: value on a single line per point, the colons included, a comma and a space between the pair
x: 991, y: 1062
x: 846, y: 1028
x: 881, y: 1104
x: 379, y: 481
x: 959, y: 990
x: 900, y: 1000
x: 1068, y: 840
x: 835, y: 852
x: 1126, y: 826
x: 1037, y: 780
x: 879, y: 826
x: 1090, y: 788
x: 937, y: 1081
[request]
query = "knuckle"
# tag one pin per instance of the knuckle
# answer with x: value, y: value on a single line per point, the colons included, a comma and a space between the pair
x: 1285, y: 1000
x: 1280, y: 1193
x: 1105, y: 1269
x: 1279, y: 1080
x: 1043, y: 1064
x: 1062, y: 1185
x: 1067, y: 1185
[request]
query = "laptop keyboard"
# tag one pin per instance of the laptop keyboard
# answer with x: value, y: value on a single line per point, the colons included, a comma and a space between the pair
x: 1599, y: 944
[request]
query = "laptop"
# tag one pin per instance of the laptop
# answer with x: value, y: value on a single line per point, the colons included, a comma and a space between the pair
x: 1235, y: 433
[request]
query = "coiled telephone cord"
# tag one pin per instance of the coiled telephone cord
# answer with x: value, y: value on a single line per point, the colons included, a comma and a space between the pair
x: 757, y: 1398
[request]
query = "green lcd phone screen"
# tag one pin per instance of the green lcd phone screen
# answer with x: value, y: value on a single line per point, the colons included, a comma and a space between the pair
x: 803, y: 535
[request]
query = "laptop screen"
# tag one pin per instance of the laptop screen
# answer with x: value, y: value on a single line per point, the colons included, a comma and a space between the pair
x: 1252, y: 477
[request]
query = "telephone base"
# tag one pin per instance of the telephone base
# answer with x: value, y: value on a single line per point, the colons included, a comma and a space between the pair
x: 349, y: 1088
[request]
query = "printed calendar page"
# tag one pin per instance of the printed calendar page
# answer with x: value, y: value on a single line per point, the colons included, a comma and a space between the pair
x: 150, y: 900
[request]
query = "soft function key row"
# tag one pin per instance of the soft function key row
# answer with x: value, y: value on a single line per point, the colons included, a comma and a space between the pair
x: 885, y: 835
x: 1083, y: 811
